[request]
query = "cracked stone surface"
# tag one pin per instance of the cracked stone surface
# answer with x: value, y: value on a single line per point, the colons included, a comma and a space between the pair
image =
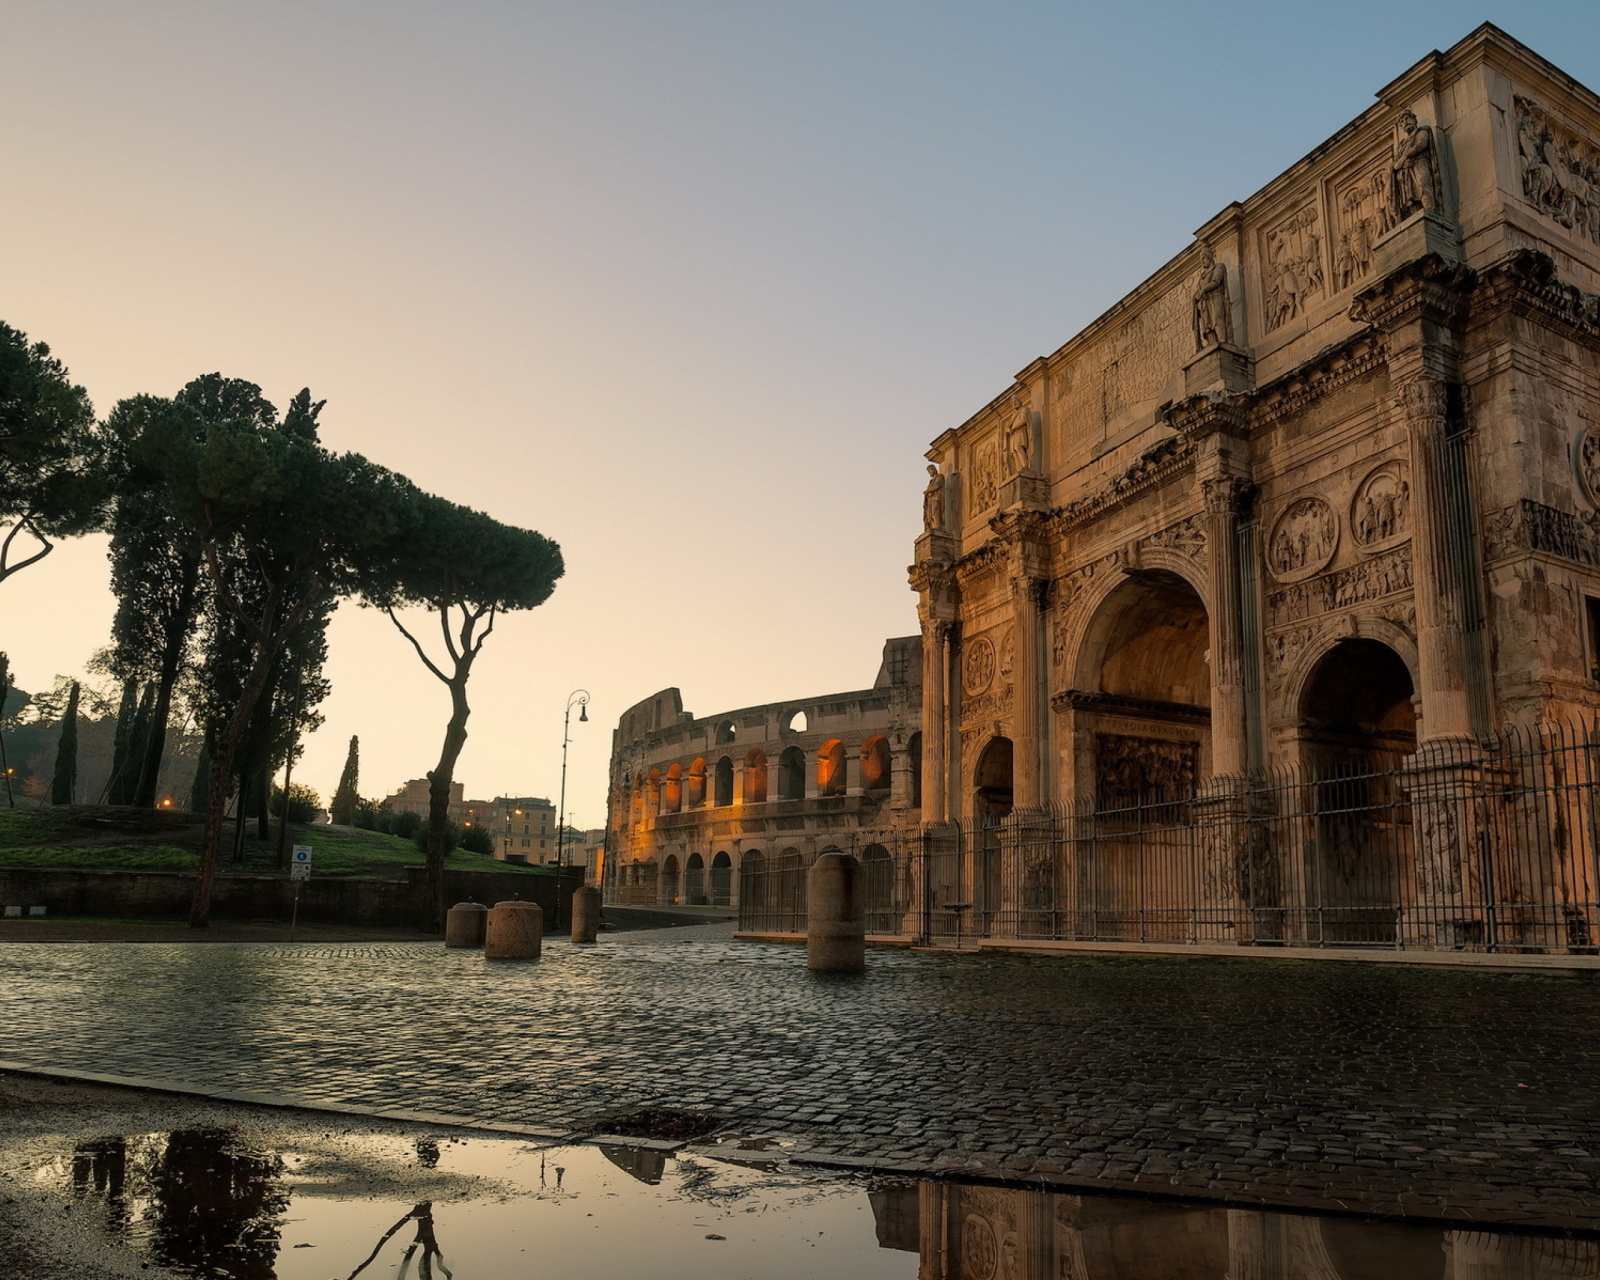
x: 1437, y: 1093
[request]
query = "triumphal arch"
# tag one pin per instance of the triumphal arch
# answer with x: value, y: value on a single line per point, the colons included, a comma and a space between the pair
x: 1264, y: 609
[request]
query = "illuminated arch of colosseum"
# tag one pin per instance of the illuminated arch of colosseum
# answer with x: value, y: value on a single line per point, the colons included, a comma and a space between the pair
x: 699, y: 804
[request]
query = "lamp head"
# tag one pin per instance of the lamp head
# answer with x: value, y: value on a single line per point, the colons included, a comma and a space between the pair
x: 583, y: 712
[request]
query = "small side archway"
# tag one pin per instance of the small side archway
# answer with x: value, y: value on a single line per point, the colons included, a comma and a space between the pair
x: 831, y: 768
x: 672, y: 790
x: 669, y: 879
x: 993, y: 781
x: 755, y: 776
x: 694, y: 880
x: 722, y: 880
x: 792, y: 774
x: 723, y: 783
x: 875, y: 776
x: 695, y: 784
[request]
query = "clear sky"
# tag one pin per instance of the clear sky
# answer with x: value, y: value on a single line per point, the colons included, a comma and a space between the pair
x: 688, y: 286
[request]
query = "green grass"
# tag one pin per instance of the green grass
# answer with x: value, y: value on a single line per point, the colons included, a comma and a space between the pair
x: 108, y: 840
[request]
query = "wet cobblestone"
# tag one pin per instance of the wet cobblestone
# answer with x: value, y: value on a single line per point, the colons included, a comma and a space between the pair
x: 1428, y: 1092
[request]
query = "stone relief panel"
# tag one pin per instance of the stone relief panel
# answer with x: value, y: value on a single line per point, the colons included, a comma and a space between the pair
x: 1303, y: 540
x: 1586, y: 463
x: 1128, y: 769
x: 1128, y: 367
x: 1532, y: 526
x: 1291, y: 266
x: 985, y: 474
x: 1380, y: 514
x: 980, y: 1251
x: 1186, y: 538
x: 977, y: 666
x: 1384, y: 574
x: 1560, y: 170
x: 1008, y: 656
x: 1363, y: 211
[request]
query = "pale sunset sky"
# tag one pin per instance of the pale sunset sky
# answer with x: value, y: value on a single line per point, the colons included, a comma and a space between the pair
x: 687, y: 286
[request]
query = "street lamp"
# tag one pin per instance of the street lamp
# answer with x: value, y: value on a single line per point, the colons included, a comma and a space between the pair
x: 577, y: 698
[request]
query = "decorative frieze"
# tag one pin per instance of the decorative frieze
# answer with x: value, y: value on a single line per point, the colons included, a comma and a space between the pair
x: 1560, y: 170
x: 1152, y: 469
x: 1531, y: 526
x: 1186, y: 538
x: 1372, y: 579
x: 1364, y: 212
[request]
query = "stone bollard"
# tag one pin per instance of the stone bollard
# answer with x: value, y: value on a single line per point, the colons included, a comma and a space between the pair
x: 836, y: 927
x: 464, y: 924
x: 586, y: 914
x: 515, y: 931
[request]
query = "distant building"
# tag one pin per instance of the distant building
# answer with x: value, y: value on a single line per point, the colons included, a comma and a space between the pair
x: 522, y: 827
x: 526, y: 829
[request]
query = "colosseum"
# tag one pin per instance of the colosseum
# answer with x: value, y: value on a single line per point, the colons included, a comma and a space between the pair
x: 729, y: 809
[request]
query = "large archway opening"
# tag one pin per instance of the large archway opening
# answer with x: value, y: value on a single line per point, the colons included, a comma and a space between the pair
x: 669, y: 879
x: 1148, y: 687
x: 792, y: 774
x: 993, y: 784
x: 694, y: 880
x: 1358, y: 724
x: 755, y: 777
x: 721, y: 880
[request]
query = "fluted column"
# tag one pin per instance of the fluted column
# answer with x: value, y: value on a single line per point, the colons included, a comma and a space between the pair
x: 1223, y: 499
x: 1436, y: 566
x: 1027, y: 744
x: 935, y: 752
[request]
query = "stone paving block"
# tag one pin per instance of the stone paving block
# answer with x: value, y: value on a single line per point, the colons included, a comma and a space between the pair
x: 1295, y: 1084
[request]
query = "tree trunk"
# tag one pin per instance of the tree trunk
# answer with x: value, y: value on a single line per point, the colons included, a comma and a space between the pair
x: 217, y: 794
x: 144, y: 795
x: 264, y: 804
x: 439, y: 780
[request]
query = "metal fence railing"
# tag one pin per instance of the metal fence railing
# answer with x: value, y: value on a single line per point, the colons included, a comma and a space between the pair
x: 1489, y: 845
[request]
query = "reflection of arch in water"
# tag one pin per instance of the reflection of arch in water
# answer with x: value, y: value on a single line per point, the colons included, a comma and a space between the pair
x: 1358, y: 724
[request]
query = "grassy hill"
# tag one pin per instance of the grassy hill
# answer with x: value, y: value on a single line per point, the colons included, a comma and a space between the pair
x: 107, y: 838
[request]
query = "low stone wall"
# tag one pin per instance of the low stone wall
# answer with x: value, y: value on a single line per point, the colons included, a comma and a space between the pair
x: 167, y: 894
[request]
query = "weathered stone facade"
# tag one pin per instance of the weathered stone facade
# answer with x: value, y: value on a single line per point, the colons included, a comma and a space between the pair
x: 1321, y: 495
x: 697, y: 804
x: 1346, y: 442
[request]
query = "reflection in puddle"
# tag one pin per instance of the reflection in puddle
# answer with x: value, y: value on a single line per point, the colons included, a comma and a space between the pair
x: 212, y: 1203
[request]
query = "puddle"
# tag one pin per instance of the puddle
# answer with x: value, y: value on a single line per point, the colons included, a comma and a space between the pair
x: 225, y: 1204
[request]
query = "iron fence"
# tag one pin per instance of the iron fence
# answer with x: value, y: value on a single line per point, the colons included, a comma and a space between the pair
x: 1487, y: 845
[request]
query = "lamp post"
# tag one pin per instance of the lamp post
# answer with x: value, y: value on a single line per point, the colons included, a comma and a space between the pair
x: 577, y: 698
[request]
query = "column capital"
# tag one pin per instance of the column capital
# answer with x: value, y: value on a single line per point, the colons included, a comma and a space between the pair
x: 1228, y: 495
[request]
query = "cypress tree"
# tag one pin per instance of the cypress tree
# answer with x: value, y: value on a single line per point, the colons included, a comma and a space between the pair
x: 199, y: 792
x: 65, y: 781
x: 343, y: 809
x: 119, y: 789
x: 139, y: 739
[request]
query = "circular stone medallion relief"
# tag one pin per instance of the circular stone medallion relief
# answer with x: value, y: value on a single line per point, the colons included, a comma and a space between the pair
x: 1586, y: 462
x: 978, y: 1250
x: 977, y: 672
x: 1380, y: 514
x: 1303, y: 540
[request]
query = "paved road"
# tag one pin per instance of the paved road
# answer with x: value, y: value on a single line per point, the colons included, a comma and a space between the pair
x: 1440, y: 1093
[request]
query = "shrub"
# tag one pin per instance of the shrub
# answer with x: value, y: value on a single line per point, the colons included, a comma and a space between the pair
x: 477, y: 840
x: 403, y: 824
x: 303, y: 802
x: 452, y: 834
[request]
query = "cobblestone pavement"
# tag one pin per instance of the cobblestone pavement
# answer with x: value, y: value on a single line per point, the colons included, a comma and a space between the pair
x: 1434, y: 1093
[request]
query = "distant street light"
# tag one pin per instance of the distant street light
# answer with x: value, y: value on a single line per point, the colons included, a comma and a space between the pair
x: 577, y: 698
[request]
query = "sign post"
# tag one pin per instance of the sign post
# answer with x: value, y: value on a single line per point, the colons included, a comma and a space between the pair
x: 299, y: 873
